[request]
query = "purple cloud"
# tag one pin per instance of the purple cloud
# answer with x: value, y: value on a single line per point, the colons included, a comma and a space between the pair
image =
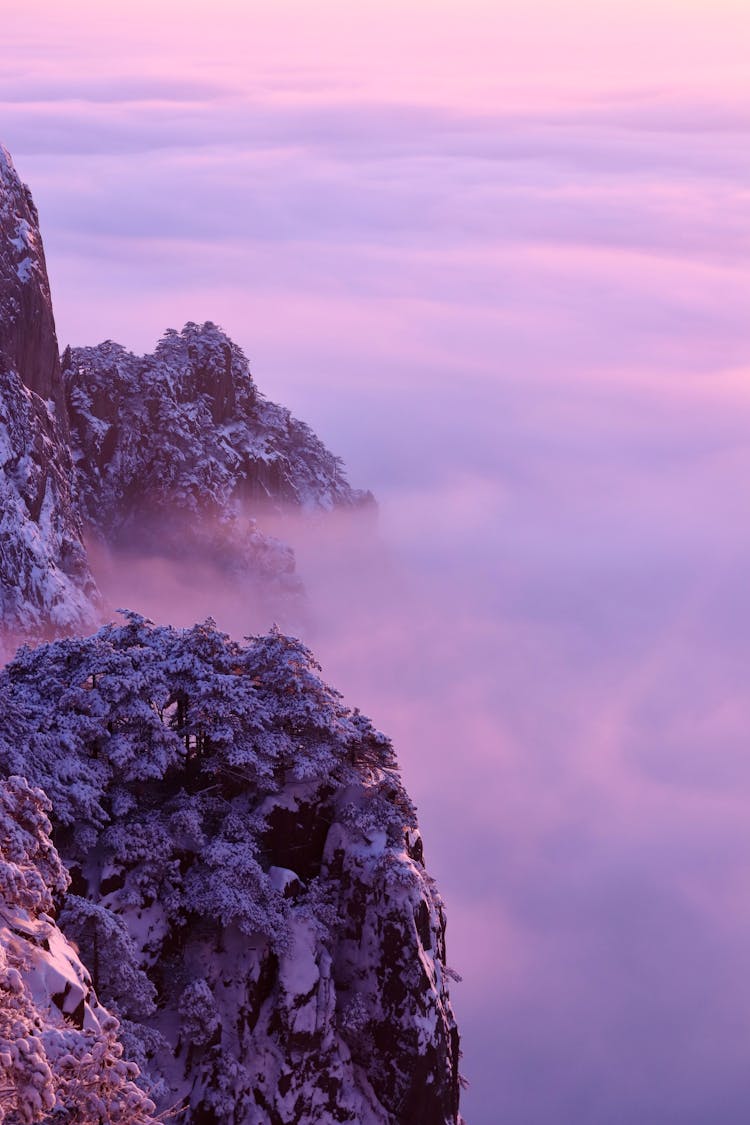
x: 526, y: 330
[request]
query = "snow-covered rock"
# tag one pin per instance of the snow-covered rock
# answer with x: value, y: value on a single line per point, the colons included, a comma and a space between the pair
x: 241, y: 844
x: 60, y: 1056
x: 179, y: 451
x: 46, y: 586
x: 28, y: 344
x: 176, y: 454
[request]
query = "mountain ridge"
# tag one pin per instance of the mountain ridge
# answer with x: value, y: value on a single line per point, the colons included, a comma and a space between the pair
x: 260, y: 942
x: 179, y: 451
x: 46, y: 584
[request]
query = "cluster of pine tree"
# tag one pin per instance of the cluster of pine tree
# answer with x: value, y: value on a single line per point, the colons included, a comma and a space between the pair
x: 166, y: 755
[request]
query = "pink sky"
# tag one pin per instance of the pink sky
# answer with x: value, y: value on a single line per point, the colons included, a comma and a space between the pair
x: 475, y: 54
x: 498, y: 254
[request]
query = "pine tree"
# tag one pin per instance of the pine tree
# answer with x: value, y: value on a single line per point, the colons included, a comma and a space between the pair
x: 50, y: 1069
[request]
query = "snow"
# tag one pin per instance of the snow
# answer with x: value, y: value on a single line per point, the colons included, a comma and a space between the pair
x: 25, y: 237
x: 53, y: 972
x: 185, y: 885
x: 299, y: 973
x: 282, y: 877
x: 220, y: 449
x: 59, y: 1055
x: 32, y: 547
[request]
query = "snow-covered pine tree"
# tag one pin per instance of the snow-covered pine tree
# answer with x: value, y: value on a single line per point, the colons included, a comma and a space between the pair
x: 232, y: 826
x: 60, y: 1056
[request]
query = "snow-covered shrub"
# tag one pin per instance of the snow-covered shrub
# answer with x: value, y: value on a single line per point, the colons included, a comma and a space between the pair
x: 30, y: 868
x: 185, y: 431
x: 27, y: 1084
x: 198, y: 1013
x: 109, y: 953
x: 55, y: 1064
x: 101, y: 722
x: 246, y: 859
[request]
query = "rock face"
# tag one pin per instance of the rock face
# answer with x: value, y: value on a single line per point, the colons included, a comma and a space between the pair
x: 28, y: 344
x: 60, y: 1057
x: 46, y: 586
x: 243, y: 848
x: 180, y: 447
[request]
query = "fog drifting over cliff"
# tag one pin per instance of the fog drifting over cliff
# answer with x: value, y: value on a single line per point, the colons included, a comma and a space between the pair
x: 556, y: 645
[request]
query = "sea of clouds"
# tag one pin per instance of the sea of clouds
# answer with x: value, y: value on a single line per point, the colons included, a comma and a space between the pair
x: 525, y: 328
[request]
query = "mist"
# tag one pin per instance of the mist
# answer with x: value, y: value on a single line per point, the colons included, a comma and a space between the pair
x: 555, y: 638
x: 497, y: 257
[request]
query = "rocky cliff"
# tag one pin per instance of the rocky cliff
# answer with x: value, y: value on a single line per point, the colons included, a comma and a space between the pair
x: 46, y: 585
x: 60, y: 1056
x: 28, y: 344
x: 179, y: 451
x: 174, y: 454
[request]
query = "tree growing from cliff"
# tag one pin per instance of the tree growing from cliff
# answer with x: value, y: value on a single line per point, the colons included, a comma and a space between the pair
x: 98, y: 722
x: 159, y: 748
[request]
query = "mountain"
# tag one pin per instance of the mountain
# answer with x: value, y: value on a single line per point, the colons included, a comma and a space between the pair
x: 250, y: 890
x: 179, y: 453
x: 28, y: 344
x: 184, y: 432
x: 234, y: 921
x: 46, y: 585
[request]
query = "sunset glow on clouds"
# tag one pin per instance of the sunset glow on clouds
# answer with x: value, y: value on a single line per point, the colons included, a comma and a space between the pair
x: 498, y: 255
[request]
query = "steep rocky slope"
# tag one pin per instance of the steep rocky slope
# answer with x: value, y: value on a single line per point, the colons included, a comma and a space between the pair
x: 180, y: 449
x: 174, y: 454
x: 249, y: 895
x: 244, y: 852
x: 46, y: 585
x: 28, y: 344
x: 60, y: 1058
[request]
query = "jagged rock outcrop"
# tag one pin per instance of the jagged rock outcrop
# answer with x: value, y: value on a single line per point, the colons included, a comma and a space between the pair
x: 46, y: 586
x: 28, y: 344
x: 60, y: 1057
x: 180, y: 447
x: 174, y: 454
x: 243, y: 848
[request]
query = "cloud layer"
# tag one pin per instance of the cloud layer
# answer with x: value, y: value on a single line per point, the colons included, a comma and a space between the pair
x: 500, y: 262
